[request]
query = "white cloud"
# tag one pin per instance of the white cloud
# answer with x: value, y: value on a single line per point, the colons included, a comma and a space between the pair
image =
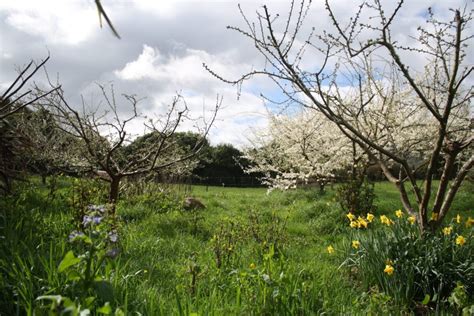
x: 184, y: 73
x: 184, y: 70
x: 163, y: 46
x: 67, y: 22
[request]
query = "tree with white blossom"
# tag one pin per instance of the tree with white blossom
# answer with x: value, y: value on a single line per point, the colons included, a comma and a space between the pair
x: 298, y: 150
x: 415, y: 116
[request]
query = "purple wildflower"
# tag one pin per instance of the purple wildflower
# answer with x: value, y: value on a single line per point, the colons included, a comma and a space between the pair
x: 100, y: 208
x: 86, y: 220
x: 112, y: 253
x: 96, y: 219
x: 113, y: 237
x: 75, y: 234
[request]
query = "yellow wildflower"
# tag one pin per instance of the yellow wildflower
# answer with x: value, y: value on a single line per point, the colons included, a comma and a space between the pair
x: 252, y: 266
x: 399, y: 213
x: 434, y: 216
x: 362, y: 222
x: 469, y: 222
x: 389, y: 269
x: 460, y: 240
x: 330, y: 249
x: 370, y: 217
x: 447, y: 230
x: 350, y: 216
x: 458, y: 219
x: 354, y: 224
x: 355, y: 244
x: 412, y: 219
x: 385, y: 220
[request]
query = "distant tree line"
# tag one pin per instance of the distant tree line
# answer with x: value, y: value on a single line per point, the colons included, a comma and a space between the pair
x: 224, y: 165
x: 33, y: 143
x: 219, y: 165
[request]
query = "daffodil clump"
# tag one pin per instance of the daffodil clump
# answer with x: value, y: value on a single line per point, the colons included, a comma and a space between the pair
x: 389, y: 269
x: 330, y: 249
x: 360, y: 221
x: 460, y: 240
x: 385, y: 220
x: 447, y: 230
x: 456, y: 224
x: 412, y: 220
x: 448, y: 252
x: 355, y: 244
x: 470, y: 222
x: 363, y: 222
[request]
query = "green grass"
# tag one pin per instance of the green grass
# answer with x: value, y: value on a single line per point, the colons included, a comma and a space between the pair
x: 284, y: 234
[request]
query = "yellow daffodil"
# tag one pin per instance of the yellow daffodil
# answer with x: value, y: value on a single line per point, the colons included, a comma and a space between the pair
x: 354, y: 224
x: 434, y: 216
x: 362, y: 222
x: 330, y: 249
x: 447, y: 230
x: 458, y: 219
x: 350, y: 216
x: 469, y: 222
x: 412, y: 219
x: 399, y: 213
x: 370, y: 217
x: 460, y: 240
x: 252, y: 266
x: 385, y: 220
x: 355, y: 244
x: 389, y: 269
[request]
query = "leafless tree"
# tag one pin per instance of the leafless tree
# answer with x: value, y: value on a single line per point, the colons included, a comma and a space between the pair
x: 407, y: 117
x: 13, y: 143
x: 46, y: 147
x: 105, y: 143
x: 15, y: 98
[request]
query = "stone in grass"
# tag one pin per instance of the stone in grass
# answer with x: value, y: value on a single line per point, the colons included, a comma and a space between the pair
x: 191, y: 204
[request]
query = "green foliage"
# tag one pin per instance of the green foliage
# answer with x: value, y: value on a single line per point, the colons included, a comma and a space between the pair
x: 88, y: 274
x: 375, y: 302
x: 13, y: 148
x: 223, y: 165
x: 356, y: 196
x: 459, y: 299
x: 427, y: 266
x: 273, y: 250
x: 176, y: 145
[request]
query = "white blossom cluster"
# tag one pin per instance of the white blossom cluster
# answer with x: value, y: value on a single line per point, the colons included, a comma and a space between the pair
x: 302, y: 149
x: 308, y: 148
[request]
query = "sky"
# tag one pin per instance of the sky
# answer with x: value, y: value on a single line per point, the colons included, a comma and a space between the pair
x: 161, y: 51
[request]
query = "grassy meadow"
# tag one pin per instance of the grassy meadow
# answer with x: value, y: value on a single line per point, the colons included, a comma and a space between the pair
x: 246, y: 253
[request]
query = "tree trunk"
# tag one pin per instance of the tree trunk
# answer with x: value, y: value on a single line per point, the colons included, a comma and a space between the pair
x: 322, y: 187
x: 114, y: 192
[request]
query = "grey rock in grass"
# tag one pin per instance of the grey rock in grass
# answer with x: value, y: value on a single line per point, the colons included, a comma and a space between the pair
x: 191, y: 204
